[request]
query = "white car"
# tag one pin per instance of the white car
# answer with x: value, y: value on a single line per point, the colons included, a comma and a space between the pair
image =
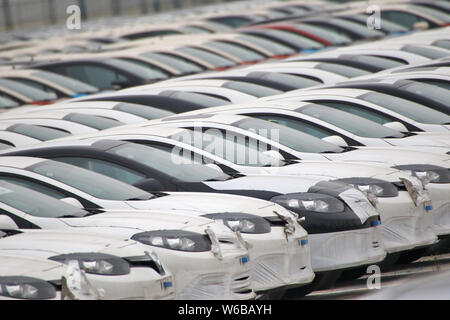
x: 429, y: 167
x: 200, y: 253
x: 336, y: 126
x: 351, y: 207
x: 268, y: 241
x: 23, y: 277
x: 382, y: 108
x: 392, y: 207
x: 118, y: 269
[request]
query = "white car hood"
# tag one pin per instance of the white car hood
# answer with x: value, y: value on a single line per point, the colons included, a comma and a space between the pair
x: 141, y: 220
x: 281, y: 184
x: 391, y: 156
x: 44, y: 244
x: 337, y: 169
x: 204, y: 203
x: 21, y: 265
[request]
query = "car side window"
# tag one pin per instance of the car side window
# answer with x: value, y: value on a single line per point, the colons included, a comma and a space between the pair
x: 34, y: 186
x: 95, y: 75
x: 359, y: 111
x: 106, y: 168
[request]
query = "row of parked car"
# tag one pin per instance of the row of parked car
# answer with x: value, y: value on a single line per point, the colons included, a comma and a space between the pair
x: 289, y: 150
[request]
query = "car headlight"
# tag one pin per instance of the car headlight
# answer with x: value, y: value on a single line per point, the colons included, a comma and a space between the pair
x: 244, y: 222
x: 315, y: 202
x: 377, y: 187
x: 26, y: 288
x: 427, y: 172
x: 96, y: 263
x: 180, y: 240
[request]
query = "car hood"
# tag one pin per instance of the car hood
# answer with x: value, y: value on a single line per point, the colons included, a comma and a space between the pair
x: 391, y: 156
x: 141, y: 220
x: 19, y: 264
x: 204, y: 203
x: 339, y: 169
x: 47, y: 243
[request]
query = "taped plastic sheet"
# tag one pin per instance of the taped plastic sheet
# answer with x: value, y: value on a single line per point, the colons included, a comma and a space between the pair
x: 403, y: 233
x: 441, y: 219
x: 340, y: 250
x: 418, y: 194
x: 228, y: 279
x: 218, y: 286
x: 358, y: 202
x: 276, y: 270
x: 76, y: 286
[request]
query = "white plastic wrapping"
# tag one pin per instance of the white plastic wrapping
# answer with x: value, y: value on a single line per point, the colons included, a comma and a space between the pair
x: 441, y: 219
x: 359, y: 204
x: 403, y: 233
x: 290, y: 267
x: 346, y: 249
x: 76, y: 286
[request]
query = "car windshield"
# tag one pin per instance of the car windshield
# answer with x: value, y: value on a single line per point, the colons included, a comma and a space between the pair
x: 376, y: 61
x: 94, y: 184
x: 138, y: 70
x: 387, y: 25
x: 66, y: 82
x: 434, y: 93
x: 295, y: 82
x: 255, y: 90
x: 35, y: 203
x: 174, y: 164
x: 27, y: 91
x: 237, y: 51
x: 334, y: 38
x: 233, y: 147
x: 197, y: 98
x: 6, y: 102
x: 274, y: 47
x: 209, y: 57
x: 143, y: 111
x: 291, y: 138
x: 407, y: 108
x: 96, y: 122
x: 444, y: 44
x: 358, y: 126
x: 342, y: 70
x: 38, y: 132
x: 355, y: 26
x: 181, y: 65
x: 426, y: 51
x: 291, y: 37
x: 443, y: 17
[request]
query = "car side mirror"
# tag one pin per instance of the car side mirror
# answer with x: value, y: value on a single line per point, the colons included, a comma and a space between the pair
x: 150, y: 185
x: 72, y: 201
x: 336, y: 140
x: 421, y: 25
x: 395, y: 125
x: 120, y: 84
x: 7, y: 223
x: 214, y: 166
x: 273, y: 154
